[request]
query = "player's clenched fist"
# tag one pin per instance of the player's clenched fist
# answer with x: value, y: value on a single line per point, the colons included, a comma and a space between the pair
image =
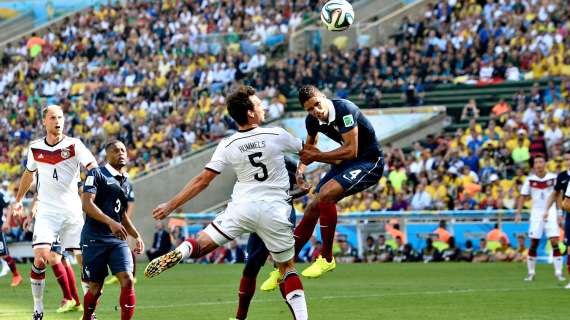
x: 309, y: 154
x: 162, y: 211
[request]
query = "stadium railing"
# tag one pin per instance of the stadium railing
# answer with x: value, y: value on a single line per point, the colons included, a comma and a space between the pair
x: 355, y: 227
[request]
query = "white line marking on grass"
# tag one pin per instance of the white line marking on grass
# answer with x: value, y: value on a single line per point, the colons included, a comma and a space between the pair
x: 313, y: 298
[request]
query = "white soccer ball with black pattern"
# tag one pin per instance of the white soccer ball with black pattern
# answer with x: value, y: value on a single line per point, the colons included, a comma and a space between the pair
x: 337, y: 15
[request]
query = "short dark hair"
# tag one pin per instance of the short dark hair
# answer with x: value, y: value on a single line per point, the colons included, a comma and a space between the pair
x: 238, y: 103
x: 111, y: 143
x: 307, y: 92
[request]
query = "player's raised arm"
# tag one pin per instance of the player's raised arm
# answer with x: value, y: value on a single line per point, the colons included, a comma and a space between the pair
x: 348, y: 150
x: 192, y: 189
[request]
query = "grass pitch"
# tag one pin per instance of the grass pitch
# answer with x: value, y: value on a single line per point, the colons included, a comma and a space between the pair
x: 358, y: 291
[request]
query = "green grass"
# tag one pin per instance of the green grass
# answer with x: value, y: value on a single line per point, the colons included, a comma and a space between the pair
x: 359, y: 291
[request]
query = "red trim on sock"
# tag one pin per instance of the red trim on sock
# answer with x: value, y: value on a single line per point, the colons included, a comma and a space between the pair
x: 195, y: 252
x: 305, y: 229
x: 245, y: 294
x: 38, y: 276
x: 127, y: 301
x: 328, y: 218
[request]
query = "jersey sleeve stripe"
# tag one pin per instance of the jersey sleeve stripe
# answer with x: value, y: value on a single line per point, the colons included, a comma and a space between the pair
x: 212, y: 170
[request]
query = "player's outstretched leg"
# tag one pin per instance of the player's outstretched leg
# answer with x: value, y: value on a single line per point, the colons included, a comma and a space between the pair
x: 16, y: 277
x: 557, y: 259
x: 531, y: 260
x: 190, y: 248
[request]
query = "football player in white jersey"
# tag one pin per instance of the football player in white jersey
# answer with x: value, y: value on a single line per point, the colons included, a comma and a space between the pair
x: 259, y: 199
x: 539, y: 186
x: 55, y: 160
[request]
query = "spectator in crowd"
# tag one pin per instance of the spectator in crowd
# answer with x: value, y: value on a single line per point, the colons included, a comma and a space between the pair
x: 312, y: 252
x: 483, y: 254
x: 234, y: 253
x: 346, y: 254
x: 441, y: 234
x: 395, y: 232
x: 383, y: 251
x: 369, y: 254
x: 468, y: 253
x: 522, y: 251
x: 430, y: 253
x: 161, y: 243
x: 470, y: 110
x: 177, y: 236
x: 504, y: 253
x: 421, y: 199
x: 496, y: 234
x: 452, y: 252
x: 399, y: 250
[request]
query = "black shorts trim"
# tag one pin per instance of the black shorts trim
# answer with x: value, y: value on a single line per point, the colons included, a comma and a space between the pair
x: 221, y: 232
x: 72, y: 249
x: 278, y: 252
x: 41, y: 243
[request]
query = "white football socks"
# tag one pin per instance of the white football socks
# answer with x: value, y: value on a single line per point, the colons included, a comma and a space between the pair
x: 531, y: 263
x: 186, y: 249
x: 296, y: 300
x: 38, y: 294
x: 558, y: 266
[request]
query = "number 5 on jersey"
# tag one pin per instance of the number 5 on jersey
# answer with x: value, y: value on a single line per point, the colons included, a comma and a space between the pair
x: 264, y: 175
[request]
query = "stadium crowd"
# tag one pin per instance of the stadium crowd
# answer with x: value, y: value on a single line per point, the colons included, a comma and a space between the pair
x: 154, y: 75
x: 151, y: 73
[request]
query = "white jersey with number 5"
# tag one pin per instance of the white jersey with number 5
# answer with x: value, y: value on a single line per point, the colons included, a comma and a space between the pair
x: 539, y: 189
x: 57, y: 170
x: 257, y: 157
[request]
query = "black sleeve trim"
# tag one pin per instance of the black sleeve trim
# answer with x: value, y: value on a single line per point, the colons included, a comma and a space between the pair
x: 212, y: 170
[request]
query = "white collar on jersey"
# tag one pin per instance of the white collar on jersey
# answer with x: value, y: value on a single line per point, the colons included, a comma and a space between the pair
x: 332, y: 114
x: 114, y: 171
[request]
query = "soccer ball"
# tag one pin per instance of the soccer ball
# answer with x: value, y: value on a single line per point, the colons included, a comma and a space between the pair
x: 337, y: 15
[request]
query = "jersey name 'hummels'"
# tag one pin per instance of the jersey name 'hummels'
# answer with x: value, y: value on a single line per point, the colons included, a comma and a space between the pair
x: 57, y: 170
x: 256, y: 156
